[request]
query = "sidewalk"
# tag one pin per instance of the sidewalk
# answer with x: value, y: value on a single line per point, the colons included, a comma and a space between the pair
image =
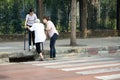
x: 85, y: 47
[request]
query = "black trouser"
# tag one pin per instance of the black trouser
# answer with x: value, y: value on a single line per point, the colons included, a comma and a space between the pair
x: 39, y: 47
x: 31, y: 35
x: 52, y: 45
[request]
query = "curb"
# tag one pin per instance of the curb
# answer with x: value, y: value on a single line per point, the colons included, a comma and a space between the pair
x: 63, y: 52
x: 90, y: 51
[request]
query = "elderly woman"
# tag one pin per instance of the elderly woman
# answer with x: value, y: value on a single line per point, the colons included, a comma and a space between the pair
x: 40, y: 36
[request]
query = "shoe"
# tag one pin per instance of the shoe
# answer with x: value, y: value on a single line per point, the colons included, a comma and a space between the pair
x: 41, y: 59
x: 30, y: 47
x: 54, y: 58
x: 34, y: 47
x: 49, y: 58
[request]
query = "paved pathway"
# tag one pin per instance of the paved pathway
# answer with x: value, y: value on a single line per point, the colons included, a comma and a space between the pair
x: 85, y: 47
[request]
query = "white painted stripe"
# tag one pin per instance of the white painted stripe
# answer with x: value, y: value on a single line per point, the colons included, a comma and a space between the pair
x: 118, y: 50
x: 70, y: 61
x: 31, y: 62
x: 90, y: 67
x: 8, y: 63
x: 103, y: 52
x: 109, y: 77
x: 82, y: 64
x: 99, y: 71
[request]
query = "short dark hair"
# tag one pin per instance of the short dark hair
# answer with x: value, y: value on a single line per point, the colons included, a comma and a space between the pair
x: 46, y: 17
x: 31, y: 10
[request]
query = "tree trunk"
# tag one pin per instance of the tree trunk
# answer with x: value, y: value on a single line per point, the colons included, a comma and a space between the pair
x: 73, y: 22
x: 118, y: 17
x: 39, y: 8
x: 80, y: 14
x: 84, y: 18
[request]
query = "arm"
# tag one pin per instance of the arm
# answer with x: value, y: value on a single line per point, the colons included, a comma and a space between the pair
x: 26, y: 21
x: 48, y: 27
x: 30, y: 28
x: 27, y: 27
x: 35, y: 16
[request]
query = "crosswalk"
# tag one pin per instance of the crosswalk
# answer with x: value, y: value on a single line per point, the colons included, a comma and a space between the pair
x: 100, y: 68
x: 109, y: 77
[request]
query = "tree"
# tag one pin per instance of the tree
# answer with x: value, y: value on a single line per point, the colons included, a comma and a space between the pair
x: 16, y: 21
x: 92, y: 12
x: 84, y: 18
x: 64, y: 9
x: 40, y: 10
x: 118, y: 17
x: 73, y: 23
x: 51, y: 9
x: 56, y: 13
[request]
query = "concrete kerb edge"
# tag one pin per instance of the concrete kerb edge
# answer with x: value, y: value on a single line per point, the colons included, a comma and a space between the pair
x: 89, y: 51
x: 68, y: 51
x: 4, y: 56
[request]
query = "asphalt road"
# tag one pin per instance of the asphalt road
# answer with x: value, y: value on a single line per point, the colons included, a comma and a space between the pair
x: 85, y: 68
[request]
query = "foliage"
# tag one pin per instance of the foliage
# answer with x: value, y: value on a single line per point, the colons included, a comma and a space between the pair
x: 104, y: 11
x: 13, y: 13
x: 108, y: 14
x: 59, y: 11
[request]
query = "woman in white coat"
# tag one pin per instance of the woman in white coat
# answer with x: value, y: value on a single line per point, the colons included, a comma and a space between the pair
x: 40, y: 36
